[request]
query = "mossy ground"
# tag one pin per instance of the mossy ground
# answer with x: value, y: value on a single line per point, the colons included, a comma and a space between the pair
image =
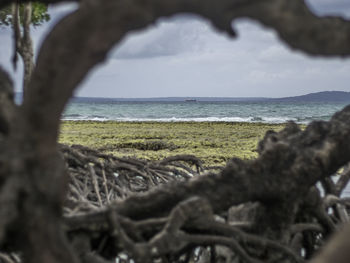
x: 214, y: 142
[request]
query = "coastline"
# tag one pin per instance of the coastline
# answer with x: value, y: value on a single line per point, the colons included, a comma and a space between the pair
x: 213, y: 142
x: 257, y: 112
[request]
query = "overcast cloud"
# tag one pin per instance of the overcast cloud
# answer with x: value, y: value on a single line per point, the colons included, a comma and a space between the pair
x: 184, y: 56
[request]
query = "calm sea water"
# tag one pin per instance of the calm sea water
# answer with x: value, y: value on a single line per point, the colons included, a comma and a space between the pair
x: 267, y: 112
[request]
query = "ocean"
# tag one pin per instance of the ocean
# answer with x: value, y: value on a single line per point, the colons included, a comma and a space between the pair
x: 201, y: 111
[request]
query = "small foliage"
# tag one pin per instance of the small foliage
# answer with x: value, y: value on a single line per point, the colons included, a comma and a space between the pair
x: 40, y: 14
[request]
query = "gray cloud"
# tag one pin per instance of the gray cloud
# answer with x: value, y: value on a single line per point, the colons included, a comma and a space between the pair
x: 185, y: 56
x: 255, y: 64
x: 184, y: 34
x: 167, y: 38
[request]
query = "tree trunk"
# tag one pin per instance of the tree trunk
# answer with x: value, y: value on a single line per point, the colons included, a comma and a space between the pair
x: 26, y: 50
x: 180, y: 215
x: 23, y: 42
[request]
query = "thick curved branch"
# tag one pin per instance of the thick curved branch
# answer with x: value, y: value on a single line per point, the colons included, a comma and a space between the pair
x: 82, y: 40
x: 79, y: 42
x: 290, y: 163
x: 299, y: 28
x: 300, y: 158
x: 72, y: 50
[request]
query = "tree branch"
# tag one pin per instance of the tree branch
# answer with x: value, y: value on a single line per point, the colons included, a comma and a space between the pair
x: 290, y: 162
x: 113, y: 19
x: 16, y: 33
x: 299, y: 158
x: 27, y: 19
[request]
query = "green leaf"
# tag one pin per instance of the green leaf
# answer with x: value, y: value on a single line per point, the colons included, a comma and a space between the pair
x: 40, y: 14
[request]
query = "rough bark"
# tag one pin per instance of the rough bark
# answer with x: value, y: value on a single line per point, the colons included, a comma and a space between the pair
x: 290, y: 163
x: 170, y: 220
x: 6, y: 103
x: 26, y: 48
x: 23, y: 42
x: 31, y: 207
x: 106, y: 22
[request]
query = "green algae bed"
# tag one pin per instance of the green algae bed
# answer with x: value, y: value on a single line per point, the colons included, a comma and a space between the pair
x: 213, y: 142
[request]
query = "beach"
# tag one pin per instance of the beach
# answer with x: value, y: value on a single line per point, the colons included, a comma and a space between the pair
x: 214, y: 131
x: 213, y: 142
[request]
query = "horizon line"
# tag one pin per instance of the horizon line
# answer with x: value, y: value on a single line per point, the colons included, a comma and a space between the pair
x: 201, y: 97
x: 212, y: 97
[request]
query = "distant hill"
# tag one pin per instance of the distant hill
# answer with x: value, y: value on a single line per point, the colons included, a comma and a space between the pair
x: 324, y: 96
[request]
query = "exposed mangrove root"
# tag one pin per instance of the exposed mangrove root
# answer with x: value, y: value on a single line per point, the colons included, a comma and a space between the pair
x: 135, y: 210
x: 96, y: 179
x: 281, y: 207
x: 191, y: 232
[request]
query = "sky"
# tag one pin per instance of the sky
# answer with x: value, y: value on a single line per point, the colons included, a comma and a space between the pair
x: 185, y: 56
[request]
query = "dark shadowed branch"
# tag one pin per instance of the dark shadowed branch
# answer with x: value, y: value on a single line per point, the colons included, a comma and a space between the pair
x: 170, y: 219
x: 71, y: 51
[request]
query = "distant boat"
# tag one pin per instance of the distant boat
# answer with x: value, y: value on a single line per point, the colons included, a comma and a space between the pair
x: 190, y: 100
